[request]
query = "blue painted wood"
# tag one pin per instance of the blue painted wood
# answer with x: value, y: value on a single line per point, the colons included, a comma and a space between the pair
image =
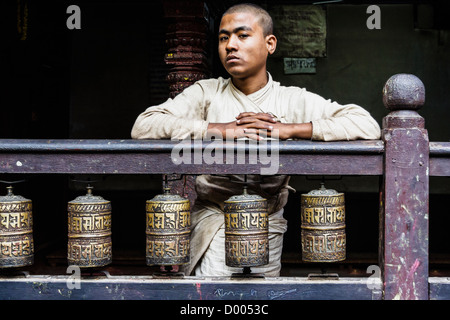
x: 439, y: 288
x: 189, y: 288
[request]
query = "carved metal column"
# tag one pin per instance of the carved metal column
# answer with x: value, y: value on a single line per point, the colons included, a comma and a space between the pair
x: 404, y: 207
x: 186, y: 39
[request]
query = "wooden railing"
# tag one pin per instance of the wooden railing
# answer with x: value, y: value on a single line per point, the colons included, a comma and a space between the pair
x: 404, y: 158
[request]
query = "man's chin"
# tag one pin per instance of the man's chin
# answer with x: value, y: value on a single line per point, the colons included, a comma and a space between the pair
x: 237, y: 74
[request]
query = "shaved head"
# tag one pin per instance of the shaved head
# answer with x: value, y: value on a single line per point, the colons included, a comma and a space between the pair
x: 264, y: 19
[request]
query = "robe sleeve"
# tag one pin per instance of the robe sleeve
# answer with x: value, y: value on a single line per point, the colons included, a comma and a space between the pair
x: 179, y: 118
x: 332, y: 121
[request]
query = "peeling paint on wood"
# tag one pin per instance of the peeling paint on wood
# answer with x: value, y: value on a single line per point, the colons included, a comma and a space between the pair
x: 404, y: 215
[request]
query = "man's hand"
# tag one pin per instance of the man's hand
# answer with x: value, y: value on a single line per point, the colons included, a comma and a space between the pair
x: 248, y: 124
x: 258, y: 126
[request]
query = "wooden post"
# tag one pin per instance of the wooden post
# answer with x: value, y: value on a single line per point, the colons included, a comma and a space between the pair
x: 405, y: 191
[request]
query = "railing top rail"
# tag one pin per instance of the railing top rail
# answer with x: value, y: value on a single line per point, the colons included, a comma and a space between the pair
x: 163, y: 146
x: 440, y: 149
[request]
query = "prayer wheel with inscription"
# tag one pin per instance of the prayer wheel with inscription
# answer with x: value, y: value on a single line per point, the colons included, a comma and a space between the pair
x: 246, y: 231
x: 16, y: 231
x: 323, y: 226
x: 168, y: 229
x: 89, y: 244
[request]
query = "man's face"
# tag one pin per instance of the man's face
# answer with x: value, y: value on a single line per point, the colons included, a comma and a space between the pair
x: 243, y: 49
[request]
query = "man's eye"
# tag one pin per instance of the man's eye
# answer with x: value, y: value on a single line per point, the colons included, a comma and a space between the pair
x: 243, y: 36
x: 224, y: 38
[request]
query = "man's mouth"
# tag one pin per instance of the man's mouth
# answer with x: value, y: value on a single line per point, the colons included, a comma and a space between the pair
x: 232, y: 58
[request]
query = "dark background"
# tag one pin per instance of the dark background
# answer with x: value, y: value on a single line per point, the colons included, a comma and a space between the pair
x: 92, y: 83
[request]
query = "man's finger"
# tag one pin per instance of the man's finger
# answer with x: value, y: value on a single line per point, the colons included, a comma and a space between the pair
x: 255, y: 122
x: 245, y: 114
x: 260, y: 116
x: 259, y: 132
x: 253, y: 136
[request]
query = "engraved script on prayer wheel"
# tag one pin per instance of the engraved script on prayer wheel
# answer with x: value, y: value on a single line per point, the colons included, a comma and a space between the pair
x: 168, y: 229
x: 323, y: 226
x: 16, y: 231
x: 89, y: 235
x: 246, y: 231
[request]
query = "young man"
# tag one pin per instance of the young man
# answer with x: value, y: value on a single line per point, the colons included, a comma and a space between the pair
x: 248, y: 105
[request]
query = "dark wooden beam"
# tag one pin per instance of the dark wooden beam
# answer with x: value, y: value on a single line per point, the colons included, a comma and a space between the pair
x: 440, y: 159
x: 167, y: 157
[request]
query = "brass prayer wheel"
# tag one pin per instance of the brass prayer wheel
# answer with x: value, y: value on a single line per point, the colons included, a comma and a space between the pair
x: 323, y: 226
x: 16, y: 231
x: 89, y: 234
x: 168, y: 229
x: 246, y: 231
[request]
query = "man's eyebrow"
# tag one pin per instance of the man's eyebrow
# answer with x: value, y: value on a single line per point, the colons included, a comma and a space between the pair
x: 235, y: 30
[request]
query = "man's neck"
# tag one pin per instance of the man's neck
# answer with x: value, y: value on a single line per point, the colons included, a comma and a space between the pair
x: 251, y: 84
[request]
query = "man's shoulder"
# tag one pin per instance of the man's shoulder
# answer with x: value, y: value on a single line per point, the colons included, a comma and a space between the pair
x: 205, y: 89
x: 213, y: 83
x: 289, y: 90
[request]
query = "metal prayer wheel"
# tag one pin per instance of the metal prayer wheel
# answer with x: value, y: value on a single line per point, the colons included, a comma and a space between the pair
x: 168, y: 229
x: 323, y: 226
x: 246, y: 231
x: 89, y: 234
x: 16, y: 231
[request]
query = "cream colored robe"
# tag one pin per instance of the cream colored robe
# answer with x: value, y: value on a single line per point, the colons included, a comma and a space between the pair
x: 219, y: 101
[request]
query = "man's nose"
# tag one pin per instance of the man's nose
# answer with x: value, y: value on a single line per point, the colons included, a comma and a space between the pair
x: 232, y: 44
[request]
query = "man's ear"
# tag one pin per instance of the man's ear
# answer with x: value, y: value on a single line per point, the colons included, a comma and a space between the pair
x: 271, y: 43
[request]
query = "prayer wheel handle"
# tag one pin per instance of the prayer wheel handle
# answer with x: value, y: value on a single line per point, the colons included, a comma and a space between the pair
x: 10, y: 187
x: 88, y: 183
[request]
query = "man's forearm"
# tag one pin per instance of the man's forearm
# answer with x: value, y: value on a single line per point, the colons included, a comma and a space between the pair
x: 295, y: 130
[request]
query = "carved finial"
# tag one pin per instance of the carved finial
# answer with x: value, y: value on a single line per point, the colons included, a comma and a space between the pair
x: 403, y: 92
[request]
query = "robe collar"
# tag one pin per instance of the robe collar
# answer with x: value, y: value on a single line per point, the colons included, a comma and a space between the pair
x: 258, y: 97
